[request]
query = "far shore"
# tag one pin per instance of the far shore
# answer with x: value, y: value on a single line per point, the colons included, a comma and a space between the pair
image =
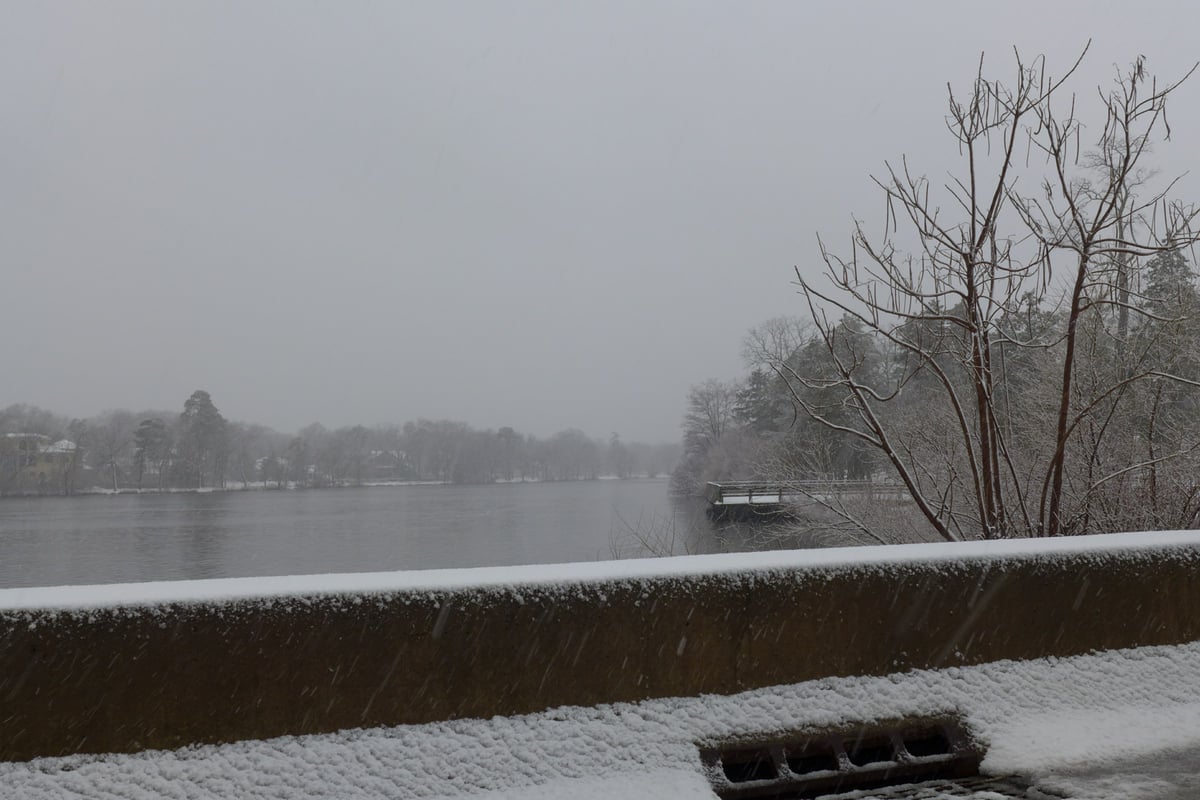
x: 291, y: 486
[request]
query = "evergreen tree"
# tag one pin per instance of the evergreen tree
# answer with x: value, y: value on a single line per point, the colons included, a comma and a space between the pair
x: 202, y: 438
x: 760, y: 405
x: 152, y: 445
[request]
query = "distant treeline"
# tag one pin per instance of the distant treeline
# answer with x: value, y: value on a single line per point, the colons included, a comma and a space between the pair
x: 45, y: 453
x: 898, y: 399
x: 1017, y: 344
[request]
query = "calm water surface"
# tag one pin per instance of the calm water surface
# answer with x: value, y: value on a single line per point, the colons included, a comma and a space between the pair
x: 51, y: 541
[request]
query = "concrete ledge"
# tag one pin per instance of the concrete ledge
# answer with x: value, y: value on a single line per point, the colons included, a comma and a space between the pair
x: 200, y: 662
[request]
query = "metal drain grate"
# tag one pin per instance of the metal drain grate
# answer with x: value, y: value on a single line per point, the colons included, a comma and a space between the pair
x: 909, y: 753
x: 977, y: 788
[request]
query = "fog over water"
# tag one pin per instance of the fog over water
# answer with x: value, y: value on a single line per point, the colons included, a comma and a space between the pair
x: 535, y: 214
x: 52, y: 541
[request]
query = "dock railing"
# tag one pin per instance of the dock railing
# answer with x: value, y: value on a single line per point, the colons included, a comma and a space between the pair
x: 761, y: 493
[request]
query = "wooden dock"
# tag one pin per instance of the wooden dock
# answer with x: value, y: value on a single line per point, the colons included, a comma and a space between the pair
x: 761, y: 498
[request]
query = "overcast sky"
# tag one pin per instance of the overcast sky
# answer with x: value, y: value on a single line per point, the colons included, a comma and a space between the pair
x: 510, y: 213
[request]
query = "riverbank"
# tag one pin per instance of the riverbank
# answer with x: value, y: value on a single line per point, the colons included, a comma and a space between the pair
x: 294, y: 486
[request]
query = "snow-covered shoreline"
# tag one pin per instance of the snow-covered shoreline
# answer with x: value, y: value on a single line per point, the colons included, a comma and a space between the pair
x: 292, y: 486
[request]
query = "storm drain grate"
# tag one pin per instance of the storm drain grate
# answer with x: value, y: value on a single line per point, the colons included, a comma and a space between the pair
x: 886, y: 755
x: 961, y: 789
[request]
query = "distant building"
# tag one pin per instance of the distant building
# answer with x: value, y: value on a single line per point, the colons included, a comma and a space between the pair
x: 31, y: 462
x: 387, y: 465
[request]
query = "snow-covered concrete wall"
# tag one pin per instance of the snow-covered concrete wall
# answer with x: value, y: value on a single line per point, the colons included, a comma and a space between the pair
x: 124, y: 668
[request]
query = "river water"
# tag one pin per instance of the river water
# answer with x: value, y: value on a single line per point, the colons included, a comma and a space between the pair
x: 51, y: 541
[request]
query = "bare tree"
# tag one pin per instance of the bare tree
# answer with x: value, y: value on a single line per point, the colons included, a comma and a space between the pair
x: 773, y: 342
x: 709, y: 418
x: 1026, y: 229
x: 112, y: 433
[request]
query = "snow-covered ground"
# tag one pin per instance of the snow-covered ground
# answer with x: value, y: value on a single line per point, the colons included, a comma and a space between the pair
x: 1119, y: 724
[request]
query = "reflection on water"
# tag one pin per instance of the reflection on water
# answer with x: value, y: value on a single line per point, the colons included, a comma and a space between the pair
x: 110, y: 539
x: 206, y: 530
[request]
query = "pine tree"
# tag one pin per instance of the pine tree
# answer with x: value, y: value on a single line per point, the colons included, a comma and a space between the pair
x: 151, y: 443
x: 202, y: 435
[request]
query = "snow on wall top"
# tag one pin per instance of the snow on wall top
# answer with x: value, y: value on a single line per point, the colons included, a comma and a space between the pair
x: 548, y: 575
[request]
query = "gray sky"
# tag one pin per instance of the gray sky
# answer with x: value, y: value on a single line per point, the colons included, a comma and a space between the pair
x: 511, y: 213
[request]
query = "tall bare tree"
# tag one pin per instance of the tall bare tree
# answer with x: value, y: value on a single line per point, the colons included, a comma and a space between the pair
x: 1025, y: 229
x: 706, y: 425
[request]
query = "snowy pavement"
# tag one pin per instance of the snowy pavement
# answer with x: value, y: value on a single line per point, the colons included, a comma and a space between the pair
x: 1120, y: 724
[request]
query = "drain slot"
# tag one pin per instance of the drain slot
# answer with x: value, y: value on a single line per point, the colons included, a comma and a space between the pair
x: 866, y: 757
x: 743, y: 766
x: 811, y: 757
x: 933, y: 744
x: 876, y: 750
